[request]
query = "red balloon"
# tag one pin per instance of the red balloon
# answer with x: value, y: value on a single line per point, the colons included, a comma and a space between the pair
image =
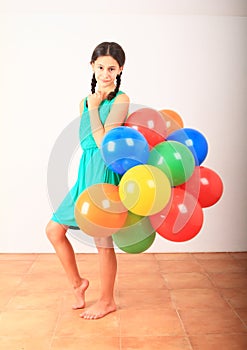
x: 181, y: 219
x: 150, y: 124
x: 205, y: 185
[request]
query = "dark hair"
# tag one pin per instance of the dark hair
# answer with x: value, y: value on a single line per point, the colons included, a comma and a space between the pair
x: 108, y: 49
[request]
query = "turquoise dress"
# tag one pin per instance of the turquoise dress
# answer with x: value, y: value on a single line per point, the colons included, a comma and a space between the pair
x: 92, y: 169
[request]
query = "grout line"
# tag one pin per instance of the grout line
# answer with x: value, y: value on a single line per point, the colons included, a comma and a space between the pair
x: 232, y: 307
x: 176, y: 309
x: 15, y: 288
x: 59, y: 316
x: 180, y: 320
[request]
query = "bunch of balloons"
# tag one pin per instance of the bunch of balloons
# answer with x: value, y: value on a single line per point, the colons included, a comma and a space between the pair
x: 163, y: 187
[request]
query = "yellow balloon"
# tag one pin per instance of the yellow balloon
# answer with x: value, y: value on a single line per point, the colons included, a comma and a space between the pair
x: 144, y: 190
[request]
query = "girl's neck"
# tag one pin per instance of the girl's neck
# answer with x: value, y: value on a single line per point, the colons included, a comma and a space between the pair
x: 105, y: 92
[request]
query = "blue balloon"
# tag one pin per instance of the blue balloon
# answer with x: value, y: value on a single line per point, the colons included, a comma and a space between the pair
x: 194, y: 140
x: 123, y: 148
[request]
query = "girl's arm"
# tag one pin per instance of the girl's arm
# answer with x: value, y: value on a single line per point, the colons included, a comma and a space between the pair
x: 81, y: 107
x: 114, y: 119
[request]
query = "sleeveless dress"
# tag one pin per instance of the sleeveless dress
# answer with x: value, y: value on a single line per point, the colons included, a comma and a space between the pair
x: 92, y: 169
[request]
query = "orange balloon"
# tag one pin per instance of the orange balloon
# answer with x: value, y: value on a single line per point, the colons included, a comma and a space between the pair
x: 173, y: 120
x: 99, y: 211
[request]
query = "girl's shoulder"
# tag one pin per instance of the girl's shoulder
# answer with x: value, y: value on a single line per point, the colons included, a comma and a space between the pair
x: 122, y: 97
x: 82, y: 104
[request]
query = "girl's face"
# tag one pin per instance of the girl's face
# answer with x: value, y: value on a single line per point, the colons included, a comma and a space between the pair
x: 106, y: 68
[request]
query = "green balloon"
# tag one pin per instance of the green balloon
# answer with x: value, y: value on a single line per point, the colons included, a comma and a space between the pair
x: 136, y: 236
x: 174, y: 159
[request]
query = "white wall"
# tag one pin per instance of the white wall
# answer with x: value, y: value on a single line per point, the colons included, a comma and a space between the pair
x: 182, y: 55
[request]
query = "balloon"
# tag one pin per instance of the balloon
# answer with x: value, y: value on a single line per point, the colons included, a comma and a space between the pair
x: 173, y: 120
x: 136, y: 235
x: 181, y: 219
x: 144, y: 190
x: 192, y: 139
x: 99, y: 211
x: 205, y: 185
x: 174, y: 159
x: 150, y: 123
x: 123, y: 147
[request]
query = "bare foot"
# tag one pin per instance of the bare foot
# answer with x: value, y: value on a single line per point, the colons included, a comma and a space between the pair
x: 80, y: 295
x: 98, y: 310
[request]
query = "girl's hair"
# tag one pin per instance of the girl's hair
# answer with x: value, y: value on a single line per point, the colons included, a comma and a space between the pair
x: 115, y: 51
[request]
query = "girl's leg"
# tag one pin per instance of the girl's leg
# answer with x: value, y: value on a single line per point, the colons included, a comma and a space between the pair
x: 108, y: 269
x: 56, y: 233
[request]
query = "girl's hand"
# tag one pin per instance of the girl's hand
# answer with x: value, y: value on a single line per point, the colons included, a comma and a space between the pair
x: 94, y: 100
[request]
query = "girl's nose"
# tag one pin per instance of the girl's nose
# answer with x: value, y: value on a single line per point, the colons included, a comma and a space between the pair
x: 105, y: 73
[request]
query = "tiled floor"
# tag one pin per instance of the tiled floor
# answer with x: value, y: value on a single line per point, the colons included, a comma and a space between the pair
x: 165, y: 302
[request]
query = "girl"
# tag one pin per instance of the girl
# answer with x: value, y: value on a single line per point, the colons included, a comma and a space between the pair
x: 104, y: 109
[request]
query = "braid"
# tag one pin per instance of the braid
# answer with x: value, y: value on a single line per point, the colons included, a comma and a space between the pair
x: 112, y: 94
x: 93, y: 84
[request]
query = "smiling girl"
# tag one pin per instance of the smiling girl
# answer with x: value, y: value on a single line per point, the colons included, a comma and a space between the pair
x: 105, y: 108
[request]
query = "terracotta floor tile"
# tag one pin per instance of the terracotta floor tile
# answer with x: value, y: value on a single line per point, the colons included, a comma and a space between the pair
x: 87, y: 257
x: 45, y: 267
x: 71, y: 324
x: 18, y: 256
x: 239, y: 255
x: 198, y: 298
x: 94, y: 282
x: 88, y: 267
x: 23, y: 342
x: 219, y: 341
x: 28, y: 323
x: 9, y: 283
x: 211, y: 320
x: 155, y: 343
x: 47, y: 257
x: 179, y: 266
x: 236, y: 297
x: 243, y: 263
x: 135, y: 257
x: 159, y: 296
x: 174, y: 256
x: 89, y: 342
x: 15, y: 267
x: 187, y: 280
x: 221, y: 266
x: 35, y: 301
x: 135, y: 281
x: 5, y: 297
x: 138, y: 267
x: 44, y: 282
x: 213, y: 256
x: 242, y: 313
x: 145, y: 299
x: 229, y: 279
x: 136, y: 323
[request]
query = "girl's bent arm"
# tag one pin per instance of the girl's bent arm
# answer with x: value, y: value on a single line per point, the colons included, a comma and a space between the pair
x: 81, y: 107
x: 115, y: 118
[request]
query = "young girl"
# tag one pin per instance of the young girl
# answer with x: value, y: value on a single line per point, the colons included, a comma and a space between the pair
x: 105, y: 108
